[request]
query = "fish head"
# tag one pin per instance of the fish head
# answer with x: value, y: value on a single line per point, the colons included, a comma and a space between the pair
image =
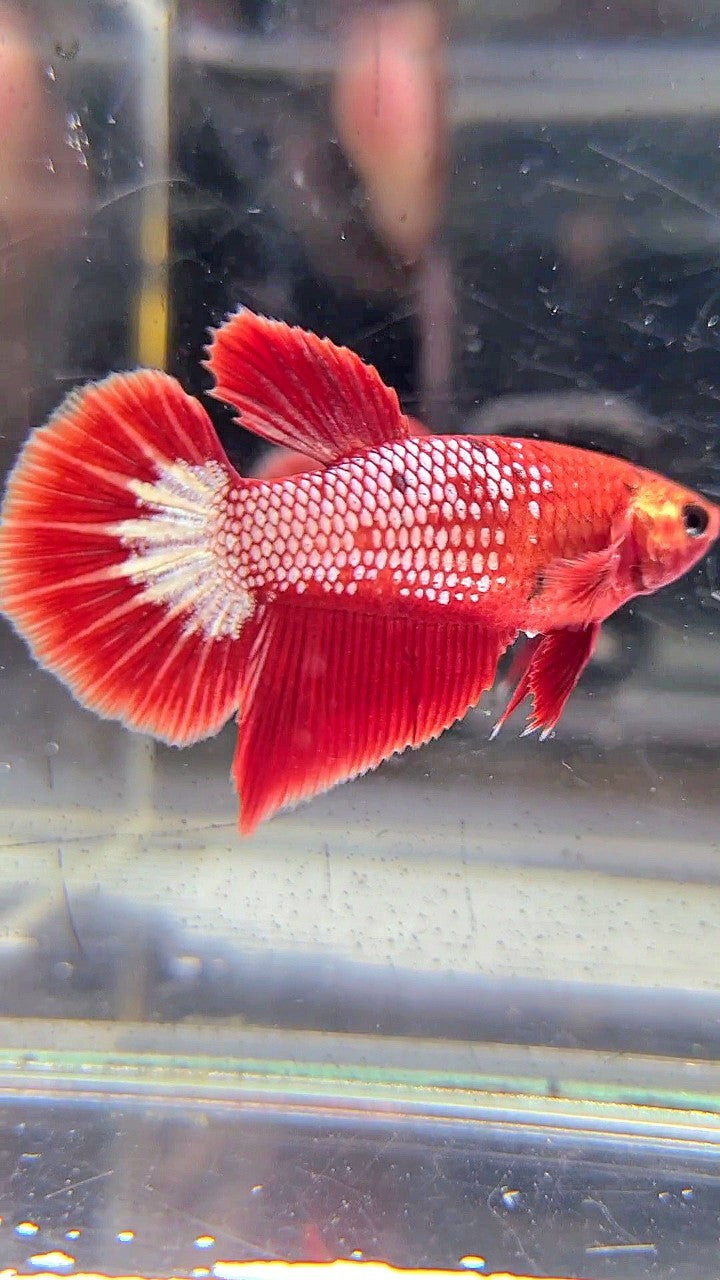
x: 672, y: 528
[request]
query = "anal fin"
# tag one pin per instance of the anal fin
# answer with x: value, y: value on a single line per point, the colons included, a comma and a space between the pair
x: 332, y: 693
x: 553, y: 664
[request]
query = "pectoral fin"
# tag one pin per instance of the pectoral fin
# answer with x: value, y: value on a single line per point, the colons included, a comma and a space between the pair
x: 580, y: 585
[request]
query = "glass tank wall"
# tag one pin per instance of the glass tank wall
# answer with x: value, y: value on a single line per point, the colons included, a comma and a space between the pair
x: 468, y: 1006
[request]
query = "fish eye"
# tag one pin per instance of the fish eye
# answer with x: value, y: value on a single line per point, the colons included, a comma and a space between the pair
x: 695, y: 518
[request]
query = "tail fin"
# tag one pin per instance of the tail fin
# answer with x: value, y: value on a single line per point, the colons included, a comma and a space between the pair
x: 116, y: 560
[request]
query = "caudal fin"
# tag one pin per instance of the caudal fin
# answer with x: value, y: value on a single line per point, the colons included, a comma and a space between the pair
x: 114, y: 560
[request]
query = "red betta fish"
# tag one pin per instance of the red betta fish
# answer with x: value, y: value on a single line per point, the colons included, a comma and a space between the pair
x: 345, y: 612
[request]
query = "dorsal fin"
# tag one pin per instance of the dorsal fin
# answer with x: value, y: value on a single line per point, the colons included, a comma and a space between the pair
x: 302, y: 391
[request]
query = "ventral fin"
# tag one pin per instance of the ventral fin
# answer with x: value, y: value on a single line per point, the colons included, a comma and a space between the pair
x: 334, y: 692
x: 301, y: 391
x: 553, y: 664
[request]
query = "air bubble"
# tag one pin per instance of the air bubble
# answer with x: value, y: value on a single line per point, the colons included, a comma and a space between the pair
x: 204, y: 1242
x: 125, y: 1237
x: 27, y: 1229
x: 511, y: 1198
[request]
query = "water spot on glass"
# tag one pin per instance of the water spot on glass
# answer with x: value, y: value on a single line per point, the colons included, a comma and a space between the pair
x: 712, y: 321
x: 204, y: 1242
x: 56, y: 1259
x: 50, y: 71
x: 511, y: 1198
x: 73, y: 1234
x: 356, y: 1255
x: 27, y: 1229
x: 687, y: 1194
x: 51, y: 748
x: 5, y: 766
x: 200, y: 1271
x: 68, y: 51
x: 472, y: 1262
x: 124, y: 1237
x: 254, y: 1191
x: 49, y: 164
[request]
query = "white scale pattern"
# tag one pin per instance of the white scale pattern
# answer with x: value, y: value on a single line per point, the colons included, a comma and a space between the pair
x: 424, y: 517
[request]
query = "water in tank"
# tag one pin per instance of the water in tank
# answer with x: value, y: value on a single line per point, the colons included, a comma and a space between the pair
x: 462, y: 1013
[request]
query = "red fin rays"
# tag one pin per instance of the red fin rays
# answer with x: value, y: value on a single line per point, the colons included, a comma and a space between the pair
x: 333, y: 693
x: 553, y: 665
x: 108, y: 556
x: 301, y: 391
x: 582, y: 585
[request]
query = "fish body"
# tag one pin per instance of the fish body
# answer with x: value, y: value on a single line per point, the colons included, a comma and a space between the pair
x: 343, y: 612
x: 439, y: 526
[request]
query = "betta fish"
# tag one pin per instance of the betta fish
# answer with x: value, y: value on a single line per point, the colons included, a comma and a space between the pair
x: 342, y: 612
